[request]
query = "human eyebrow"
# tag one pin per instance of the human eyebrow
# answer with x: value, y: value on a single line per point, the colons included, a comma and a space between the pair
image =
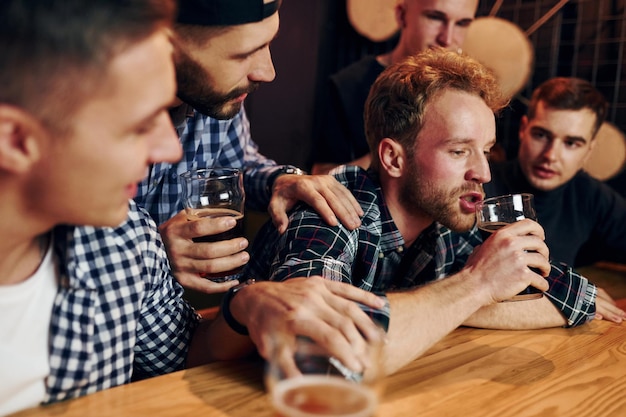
x: 245, y: 54
x: 537, y: 130
x: 458, y: 141
x: 146, y: 122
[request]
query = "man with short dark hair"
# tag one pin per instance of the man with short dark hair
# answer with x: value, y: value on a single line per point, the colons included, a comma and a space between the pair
x: 557, y: 137
x: 87, y: 298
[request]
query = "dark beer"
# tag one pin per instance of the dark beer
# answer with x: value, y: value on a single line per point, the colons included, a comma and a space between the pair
x: 486, y: 229
x: 233, y: 233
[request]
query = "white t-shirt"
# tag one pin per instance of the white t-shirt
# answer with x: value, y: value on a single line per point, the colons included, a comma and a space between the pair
x: 25, y: 312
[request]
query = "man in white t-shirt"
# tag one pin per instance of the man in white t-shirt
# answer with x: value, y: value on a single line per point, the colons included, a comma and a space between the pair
x: 87, y: 298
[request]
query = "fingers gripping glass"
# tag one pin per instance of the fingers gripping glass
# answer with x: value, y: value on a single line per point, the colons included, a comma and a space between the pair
x: 215, y: 193
x: 496, y: 212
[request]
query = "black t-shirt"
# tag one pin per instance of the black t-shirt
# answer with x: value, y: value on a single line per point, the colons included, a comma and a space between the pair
x: 582, y: 210
x: 341, y: 137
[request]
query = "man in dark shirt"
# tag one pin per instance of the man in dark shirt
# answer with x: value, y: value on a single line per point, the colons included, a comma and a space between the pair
x: 557, y: 137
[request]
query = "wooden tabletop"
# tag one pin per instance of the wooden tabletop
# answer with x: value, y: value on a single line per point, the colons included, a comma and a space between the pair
x: 471, y: 372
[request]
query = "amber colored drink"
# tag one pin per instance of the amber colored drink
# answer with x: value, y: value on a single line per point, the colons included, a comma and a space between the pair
x: 233, y: 233
x: 319, y: 395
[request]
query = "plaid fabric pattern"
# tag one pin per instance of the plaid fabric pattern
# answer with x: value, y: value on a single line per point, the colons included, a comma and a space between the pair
x: 118, y: 312
x: 207, y: 143
x: 374, y: 256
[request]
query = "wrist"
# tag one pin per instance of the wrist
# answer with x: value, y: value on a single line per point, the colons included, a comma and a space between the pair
x: 283, y: 170
x: 227, y: 314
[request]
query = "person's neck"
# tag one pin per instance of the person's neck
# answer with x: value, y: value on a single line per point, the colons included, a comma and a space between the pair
x: 389, y: 58
x: 20, y: 260
x: 410, y: 224
x: 178, y: 112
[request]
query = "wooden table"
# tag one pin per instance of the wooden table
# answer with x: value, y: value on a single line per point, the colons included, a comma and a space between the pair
x: 471, y: 372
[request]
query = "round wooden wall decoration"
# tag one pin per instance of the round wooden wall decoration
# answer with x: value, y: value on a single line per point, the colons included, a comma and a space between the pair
x: 504, y: 48
x: 373, y: 19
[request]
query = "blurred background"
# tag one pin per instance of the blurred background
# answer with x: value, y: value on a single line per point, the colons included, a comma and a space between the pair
x: 582, y: 38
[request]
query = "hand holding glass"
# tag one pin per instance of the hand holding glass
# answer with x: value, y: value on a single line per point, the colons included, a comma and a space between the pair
x: 304, y: 380
x: 215, y: 193
x: 496, y: 212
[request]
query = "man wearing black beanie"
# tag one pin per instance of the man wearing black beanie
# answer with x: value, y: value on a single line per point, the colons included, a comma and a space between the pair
x: 222, y: 54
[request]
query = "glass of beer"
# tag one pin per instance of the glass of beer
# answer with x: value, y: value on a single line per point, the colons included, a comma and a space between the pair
x: 215, y: 192
x: 304, y: 380
x: 496, y: 212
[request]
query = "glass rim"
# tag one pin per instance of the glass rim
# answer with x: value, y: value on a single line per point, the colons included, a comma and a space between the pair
x: 494, y: 199
x: 200, y: 174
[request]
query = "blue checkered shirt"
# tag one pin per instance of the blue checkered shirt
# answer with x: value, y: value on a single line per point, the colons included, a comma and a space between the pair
x: 374, y: 257
x: 118, y: 312
x: 208, y: 143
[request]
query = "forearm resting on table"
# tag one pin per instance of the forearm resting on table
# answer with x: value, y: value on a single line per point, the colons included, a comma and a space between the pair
x: 423, y: 316
x: 518, y: 315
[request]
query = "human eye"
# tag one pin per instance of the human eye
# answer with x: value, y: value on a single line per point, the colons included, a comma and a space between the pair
x: 145, y: 128
x: 539, y: 134
x: 464, y: 23
x: 150, y: 124
x: 458, y: 152
x: 434, y: 16
x: 573, y: 143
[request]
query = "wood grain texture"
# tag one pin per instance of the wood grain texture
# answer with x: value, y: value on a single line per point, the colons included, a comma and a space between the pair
x: 471, y: 372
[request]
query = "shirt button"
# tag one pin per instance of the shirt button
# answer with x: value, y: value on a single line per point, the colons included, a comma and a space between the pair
x: 400, y: 249
x: 381, y: 255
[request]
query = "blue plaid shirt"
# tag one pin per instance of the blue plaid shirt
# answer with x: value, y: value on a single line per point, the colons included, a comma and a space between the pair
x: 207, y: 143
x: 118, y: 313
x: 374, y: 257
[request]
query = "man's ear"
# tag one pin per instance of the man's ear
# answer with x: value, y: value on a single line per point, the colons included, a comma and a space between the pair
x: 391, y: 156
x: 19, y: 147
x: 400, y: 13
x: 592, y: 145
x: 522, y: 125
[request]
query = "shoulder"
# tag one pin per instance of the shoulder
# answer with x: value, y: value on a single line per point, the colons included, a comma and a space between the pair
x: 584, y: 187
x: 356, y: 179
x: 363, y: 71
x: 133, y: 239
x: 364, y: 187
x: 583, y: 183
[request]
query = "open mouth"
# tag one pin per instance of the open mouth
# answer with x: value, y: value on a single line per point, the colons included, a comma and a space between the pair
x: 472, y: 198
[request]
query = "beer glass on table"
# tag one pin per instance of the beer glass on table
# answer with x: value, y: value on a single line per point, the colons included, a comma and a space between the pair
x: 304, y: 380
x: 496, y: 212
x: 215, y: 192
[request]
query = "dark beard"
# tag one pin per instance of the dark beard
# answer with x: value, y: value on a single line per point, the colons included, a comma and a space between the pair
x: 194, y: 89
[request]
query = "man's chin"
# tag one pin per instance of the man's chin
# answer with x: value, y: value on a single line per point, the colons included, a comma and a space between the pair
x: 460, y: 224
x: 228, y: 111
x: 223, y: 112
